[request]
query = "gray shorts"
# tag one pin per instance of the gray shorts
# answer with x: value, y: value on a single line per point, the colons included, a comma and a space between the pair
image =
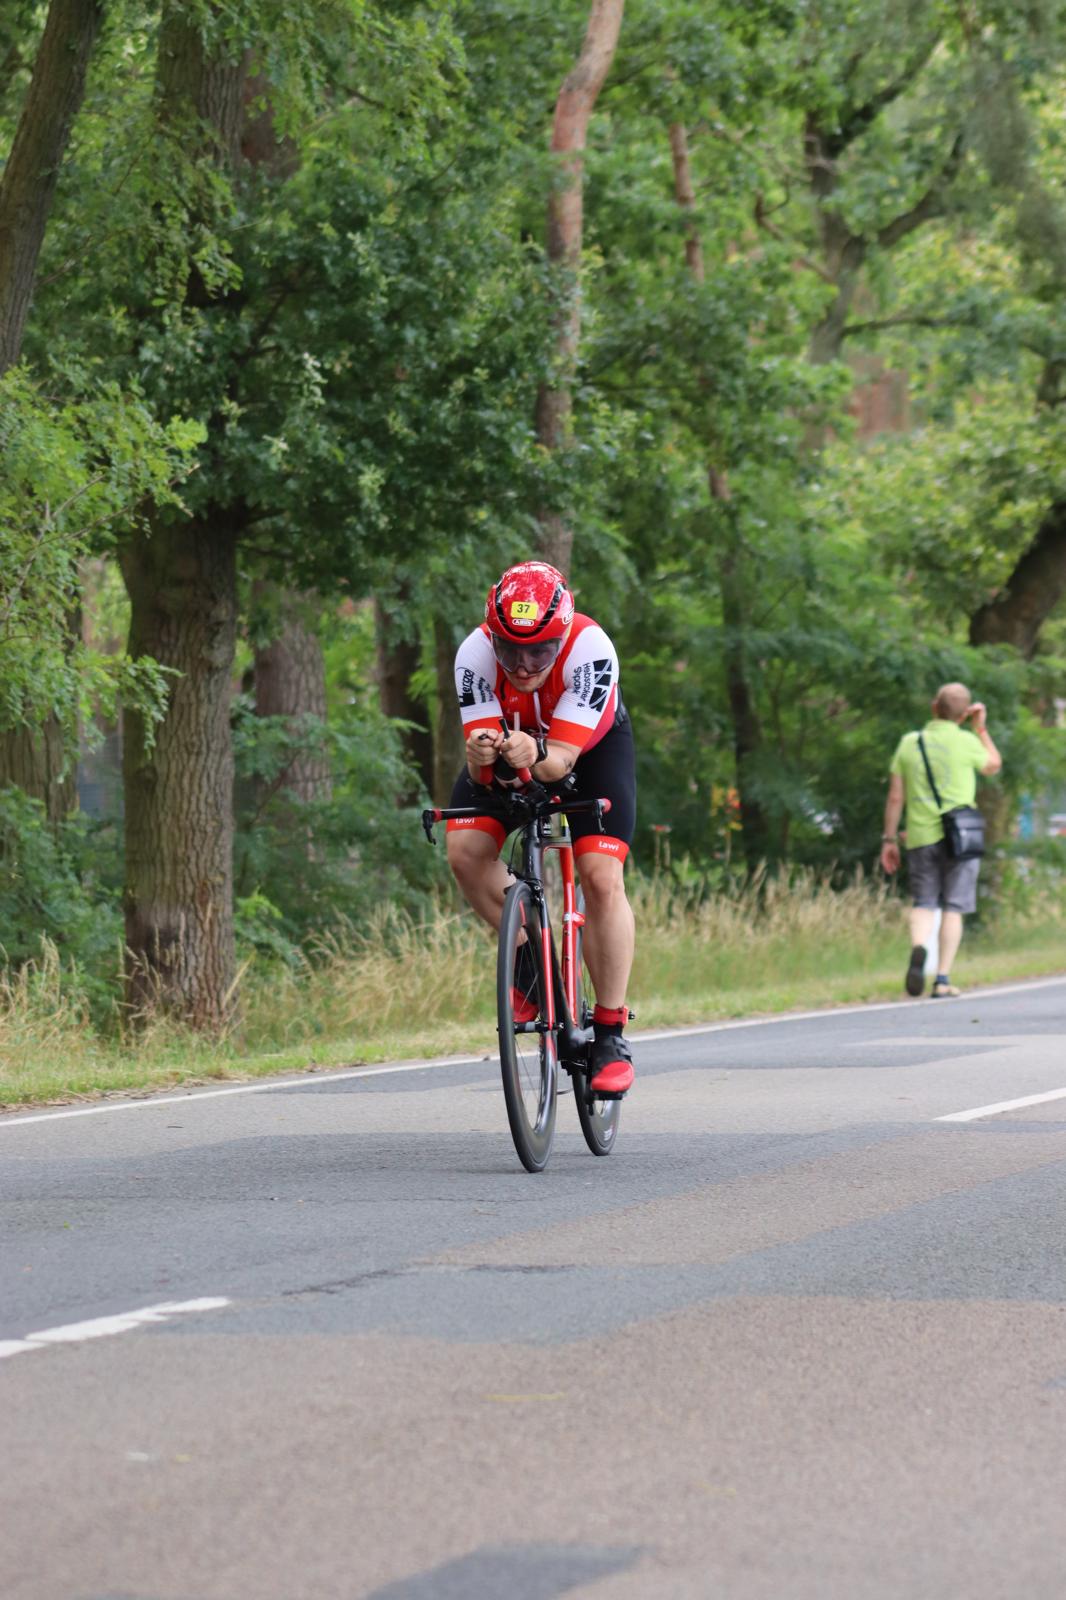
x: 937, y: 880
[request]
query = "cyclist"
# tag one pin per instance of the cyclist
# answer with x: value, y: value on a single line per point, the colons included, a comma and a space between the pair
x: 536, y: 658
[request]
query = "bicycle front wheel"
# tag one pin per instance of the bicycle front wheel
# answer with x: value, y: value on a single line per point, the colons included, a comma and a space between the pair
x: 528, y: 1052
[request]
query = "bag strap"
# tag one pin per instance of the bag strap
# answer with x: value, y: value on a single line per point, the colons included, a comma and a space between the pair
x: 929, y: 775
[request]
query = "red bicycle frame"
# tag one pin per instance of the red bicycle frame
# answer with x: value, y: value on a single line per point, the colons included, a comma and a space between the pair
x: 532, y: 809
x: 573, y: 919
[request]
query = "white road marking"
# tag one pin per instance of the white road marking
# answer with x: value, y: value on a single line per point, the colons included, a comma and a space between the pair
x: 1003, y: 1105
x: 16, y: 1119
x: 103, y: 1327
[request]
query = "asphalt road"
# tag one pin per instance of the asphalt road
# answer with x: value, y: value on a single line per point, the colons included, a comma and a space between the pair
x: 798, y: 1338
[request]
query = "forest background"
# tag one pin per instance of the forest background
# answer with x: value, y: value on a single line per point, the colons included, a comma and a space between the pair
x: 314, y: 316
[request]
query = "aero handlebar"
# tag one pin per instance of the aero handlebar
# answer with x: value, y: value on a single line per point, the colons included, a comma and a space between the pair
x: 520, y: 806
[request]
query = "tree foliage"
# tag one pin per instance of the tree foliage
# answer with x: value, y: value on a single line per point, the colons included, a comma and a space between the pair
x: 76, y: 475
x: 350, y: 307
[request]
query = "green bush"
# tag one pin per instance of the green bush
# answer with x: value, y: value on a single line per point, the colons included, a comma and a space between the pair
x: 334, y: 861
x: 56, y: 885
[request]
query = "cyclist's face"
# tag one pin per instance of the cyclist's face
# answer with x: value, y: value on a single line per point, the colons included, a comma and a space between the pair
x: 526, y: 665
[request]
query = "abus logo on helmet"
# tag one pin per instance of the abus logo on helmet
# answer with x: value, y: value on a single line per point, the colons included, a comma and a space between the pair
x: 524, y: 613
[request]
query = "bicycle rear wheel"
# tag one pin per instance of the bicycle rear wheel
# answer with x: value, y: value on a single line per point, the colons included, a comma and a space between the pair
x: 528, y: 1052
x: 599, y: 1119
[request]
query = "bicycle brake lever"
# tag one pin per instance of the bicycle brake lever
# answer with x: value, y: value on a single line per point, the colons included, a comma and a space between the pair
x: 428, y: 819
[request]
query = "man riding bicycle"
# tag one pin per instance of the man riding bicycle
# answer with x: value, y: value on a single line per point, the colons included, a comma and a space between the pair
x: 536, y: 657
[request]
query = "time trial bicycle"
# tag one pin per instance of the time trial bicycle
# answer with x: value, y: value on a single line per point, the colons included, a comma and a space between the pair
x: 543, y: 999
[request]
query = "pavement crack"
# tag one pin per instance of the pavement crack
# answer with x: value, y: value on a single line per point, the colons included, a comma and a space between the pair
x: 360, y: 1280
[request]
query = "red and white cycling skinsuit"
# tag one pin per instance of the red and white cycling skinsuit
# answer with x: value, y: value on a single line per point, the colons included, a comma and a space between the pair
x: 576, y: 703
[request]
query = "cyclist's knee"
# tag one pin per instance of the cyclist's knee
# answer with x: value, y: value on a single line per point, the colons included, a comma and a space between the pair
x: 471, y: 855
x: 602, y: 880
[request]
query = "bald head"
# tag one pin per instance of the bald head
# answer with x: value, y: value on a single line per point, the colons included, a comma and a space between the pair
x: 952, y: 702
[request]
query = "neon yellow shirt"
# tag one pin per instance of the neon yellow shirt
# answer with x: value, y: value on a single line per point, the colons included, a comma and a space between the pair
x: 956, y: 757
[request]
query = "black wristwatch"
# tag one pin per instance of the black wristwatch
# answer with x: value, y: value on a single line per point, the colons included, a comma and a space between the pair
x: 542, y: 749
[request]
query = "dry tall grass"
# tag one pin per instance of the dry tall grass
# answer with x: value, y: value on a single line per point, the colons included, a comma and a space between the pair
x: 403, y: 988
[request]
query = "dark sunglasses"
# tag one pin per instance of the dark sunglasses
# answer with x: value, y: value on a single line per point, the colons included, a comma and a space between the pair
x: 534, y: 657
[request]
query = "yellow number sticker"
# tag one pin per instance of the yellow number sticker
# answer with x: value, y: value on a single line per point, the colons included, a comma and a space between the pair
x: 524, y: 608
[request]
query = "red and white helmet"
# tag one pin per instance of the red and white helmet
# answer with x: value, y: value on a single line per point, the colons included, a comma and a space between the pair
x: 530, y: 603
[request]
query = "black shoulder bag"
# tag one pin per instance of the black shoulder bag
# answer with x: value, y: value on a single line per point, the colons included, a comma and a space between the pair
x: 964, y: 826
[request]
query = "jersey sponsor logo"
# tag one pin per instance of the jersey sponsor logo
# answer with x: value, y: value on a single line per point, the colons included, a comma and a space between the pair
x: 473, y: 689
x: 601, y: 686
x: 593, y: 681
x: 592, y: 844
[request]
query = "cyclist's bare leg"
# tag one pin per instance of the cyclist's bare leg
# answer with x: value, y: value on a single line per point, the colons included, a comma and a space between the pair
x: 483, y: 880
x: 609, y: 932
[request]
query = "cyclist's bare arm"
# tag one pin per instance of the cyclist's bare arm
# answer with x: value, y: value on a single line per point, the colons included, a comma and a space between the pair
x: 520, y: 749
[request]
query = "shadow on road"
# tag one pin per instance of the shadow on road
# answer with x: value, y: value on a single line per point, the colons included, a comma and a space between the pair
x: 521, y: 1572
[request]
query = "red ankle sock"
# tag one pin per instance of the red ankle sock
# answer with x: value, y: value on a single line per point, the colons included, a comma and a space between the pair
x: 611, y: 1016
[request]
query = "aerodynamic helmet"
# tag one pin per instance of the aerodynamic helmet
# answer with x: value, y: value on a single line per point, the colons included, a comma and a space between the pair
x: 529, y: 605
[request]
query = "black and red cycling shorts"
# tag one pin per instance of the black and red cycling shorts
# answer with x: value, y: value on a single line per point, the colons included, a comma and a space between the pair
x: 606, y: 772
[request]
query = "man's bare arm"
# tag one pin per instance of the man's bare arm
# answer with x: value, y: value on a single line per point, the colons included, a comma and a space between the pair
x: 890, y: 831
x: 995, y: 760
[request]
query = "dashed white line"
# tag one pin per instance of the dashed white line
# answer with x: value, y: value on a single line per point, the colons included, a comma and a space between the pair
x: 104, y: 1327
x: 1003, y: 1105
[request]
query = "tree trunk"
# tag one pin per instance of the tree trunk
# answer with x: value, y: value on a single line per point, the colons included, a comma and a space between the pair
x: 34, y: 760
x: 1017, y: 613
x: 685, y: 195
x: 398, y: 661
x: 192, y: 83
x: 42, y: 760
x: 827, y: 339
x: 448, y: 743
x: 32, y: 169
x: 182, y: 584
x: 290, y: 682
x: 573, y: 110
x: 747, y: 728
x: 843, y: 252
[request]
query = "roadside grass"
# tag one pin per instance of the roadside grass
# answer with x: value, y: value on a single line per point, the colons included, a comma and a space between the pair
x: 403, y: 989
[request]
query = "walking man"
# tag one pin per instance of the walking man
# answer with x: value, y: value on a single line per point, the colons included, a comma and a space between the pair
x: 937, y: 881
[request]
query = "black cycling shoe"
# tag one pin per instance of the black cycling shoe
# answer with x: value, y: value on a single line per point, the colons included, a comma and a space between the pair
x: 610, y: 1067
